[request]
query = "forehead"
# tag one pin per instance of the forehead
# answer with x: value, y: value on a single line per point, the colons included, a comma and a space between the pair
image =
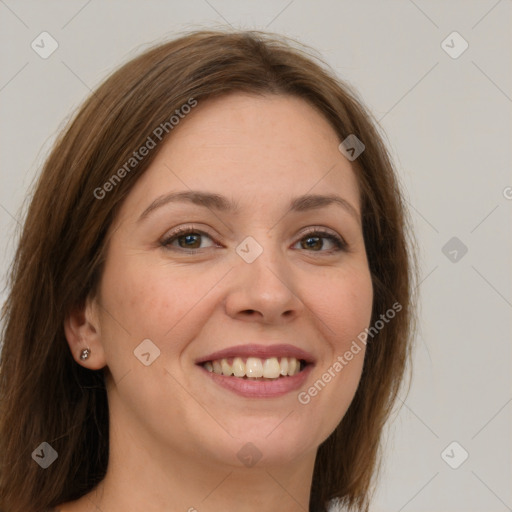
x: 251, y: 147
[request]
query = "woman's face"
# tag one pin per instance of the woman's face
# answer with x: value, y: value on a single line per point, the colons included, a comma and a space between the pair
x: 249, y: 278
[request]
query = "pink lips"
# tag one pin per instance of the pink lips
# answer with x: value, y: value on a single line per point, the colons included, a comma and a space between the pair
x: 260, y: 388
x: 261, y: 351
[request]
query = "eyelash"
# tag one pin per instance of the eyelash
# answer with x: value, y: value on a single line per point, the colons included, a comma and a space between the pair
x: 339, y: 243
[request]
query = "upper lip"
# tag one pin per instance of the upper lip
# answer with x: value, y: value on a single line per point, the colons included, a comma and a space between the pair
x: 261, y: 351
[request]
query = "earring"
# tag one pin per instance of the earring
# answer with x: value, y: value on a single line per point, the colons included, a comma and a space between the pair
x: 85, y: 354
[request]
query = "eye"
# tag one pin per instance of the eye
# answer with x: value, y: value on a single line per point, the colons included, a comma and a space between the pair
x: 185, y: 238
x: 314, y: 240
x: 190, y: 240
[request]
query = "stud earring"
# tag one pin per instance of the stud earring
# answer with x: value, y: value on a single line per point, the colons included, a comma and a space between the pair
x: 85, y: 354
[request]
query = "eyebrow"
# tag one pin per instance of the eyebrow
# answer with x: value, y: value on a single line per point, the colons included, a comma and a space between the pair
x: 223, y: 204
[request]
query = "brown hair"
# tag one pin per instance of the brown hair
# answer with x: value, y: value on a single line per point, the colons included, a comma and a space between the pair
x: 45, y: 395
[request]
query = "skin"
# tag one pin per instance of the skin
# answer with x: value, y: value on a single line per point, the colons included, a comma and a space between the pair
x: 175, y: 434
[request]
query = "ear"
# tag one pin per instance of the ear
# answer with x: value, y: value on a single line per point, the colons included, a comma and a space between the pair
x: 82, y: 330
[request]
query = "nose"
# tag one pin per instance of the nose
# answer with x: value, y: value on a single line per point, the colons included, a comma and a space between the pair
x: 264, y: 291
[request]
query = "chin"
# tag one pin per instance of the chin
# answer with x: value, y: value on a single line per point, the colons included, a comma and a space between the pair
x: 264, y: 443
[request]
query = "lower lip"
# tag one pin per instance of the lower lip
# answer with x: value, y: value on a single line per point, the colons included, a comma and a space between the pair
x: 261, y: 388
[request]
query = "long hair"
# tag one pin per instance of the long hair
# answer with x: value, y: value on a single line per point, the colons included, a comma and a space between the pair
x: 45, y: 396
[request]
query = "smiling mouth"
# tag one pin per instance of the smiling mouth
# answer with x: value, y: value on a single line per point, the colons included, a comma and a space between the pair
x: 255, y: 368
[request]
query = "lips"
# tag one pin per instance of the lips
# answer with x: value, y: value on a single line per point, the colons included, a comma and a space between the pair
x: 259, y: 351
x: 258, y: 371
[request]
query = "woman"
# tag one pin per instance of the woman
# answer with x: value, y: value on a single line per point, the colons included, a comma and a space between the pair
x: 211, y: 299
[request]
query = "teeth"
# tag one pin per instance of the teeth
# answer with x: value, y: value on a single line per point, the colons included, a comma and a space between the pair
x: 271, y: 368
x: 254, y: 367
x: 284, y: 366
x: 226, y: 367
x: 217, y: 367
x: 238, y: 367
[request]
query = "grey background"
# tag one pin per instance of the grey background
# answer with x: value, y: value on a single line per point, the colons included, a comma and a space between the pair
x: 448, y: 126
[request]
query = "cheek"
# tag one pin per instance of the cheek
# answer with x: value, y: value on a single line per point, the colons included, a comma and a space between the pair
x: 156, y: 301
x: 344, y: 305
x: 343, y: 308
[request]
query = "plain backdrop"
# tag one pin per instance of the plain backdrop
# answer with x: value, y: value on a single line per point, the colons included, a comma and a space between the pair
x: 447, y: 119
